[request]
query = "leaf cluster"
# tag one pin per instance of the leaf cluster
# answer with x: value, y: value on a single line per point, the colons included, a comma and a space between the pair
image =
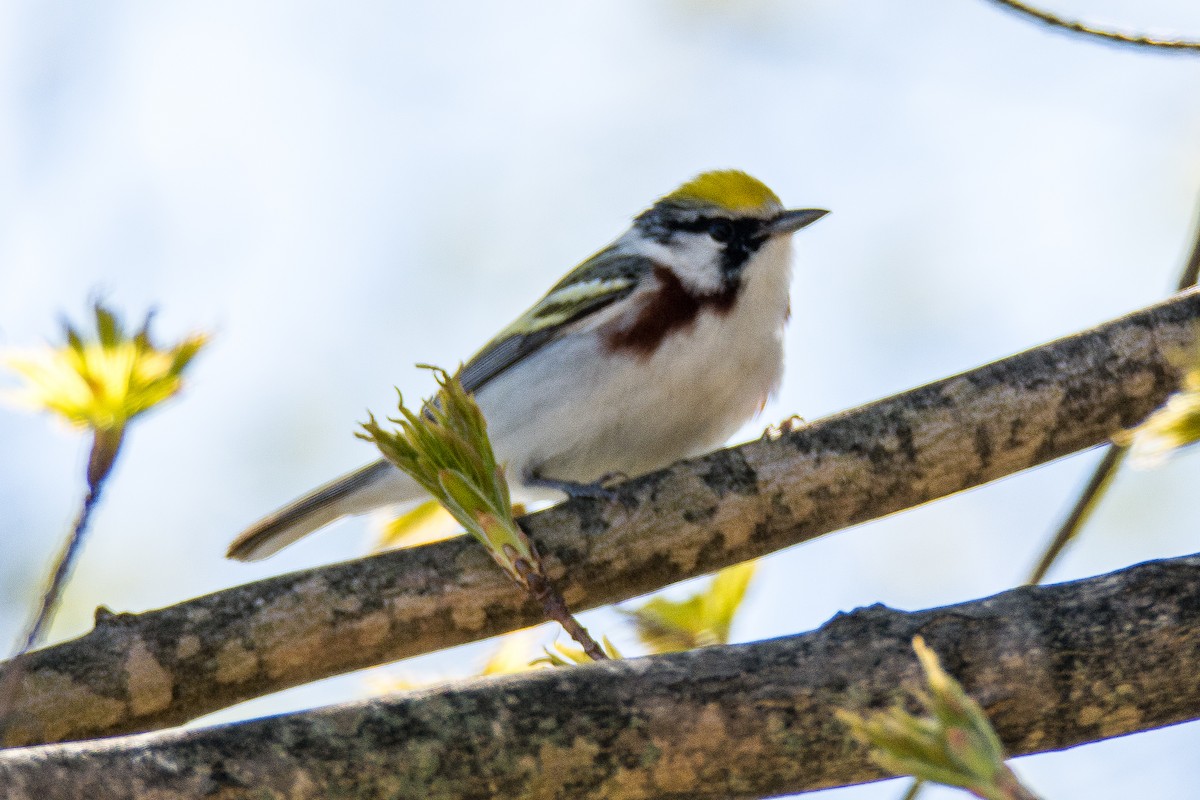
x: 953, y: 743
x: 445, y: 448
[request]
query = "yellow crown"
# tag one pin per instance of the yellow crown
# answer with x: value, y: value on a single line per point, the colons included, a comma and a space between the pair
x: 730, y: 189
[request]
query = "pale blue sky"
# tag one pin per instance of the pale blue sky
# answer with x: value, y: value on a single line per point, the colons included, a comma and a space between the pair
x: 319, y: 182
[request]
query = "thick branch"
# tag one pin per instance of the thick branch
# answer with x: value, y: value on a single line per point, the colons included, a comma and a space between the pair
x: 137, y: 672
x: 1053, y: 666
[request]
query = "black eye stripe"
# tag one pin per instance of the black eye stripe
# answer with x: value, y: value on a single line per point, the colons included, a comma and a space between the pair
x: 745, y: 228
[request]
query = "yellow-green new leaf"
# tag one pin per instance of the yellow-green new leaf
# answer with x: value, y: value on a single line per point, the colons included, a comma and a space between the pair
x: 1175, y: 425
x: 424, y: 523
x: 700, y: 620
x: 725, y: 596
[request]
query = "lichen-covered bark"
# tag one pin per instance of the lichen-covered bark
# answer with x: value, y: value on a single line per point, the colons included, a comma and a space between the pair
x: 1053, y: 667
x: 138, y: 672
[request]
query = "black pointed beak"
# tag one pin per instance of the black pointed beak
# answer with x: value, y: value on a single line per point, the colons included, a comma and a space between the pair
x: 792, y: 221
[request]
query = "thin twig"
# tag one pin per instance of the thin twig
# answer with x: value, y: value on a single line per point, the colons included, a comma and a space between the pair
x: 1191, y: 270
x: 555, y: 608
x: 62, y: 569
x: 1114, y: 456
x: 1015, y: 789
x: 1084, y: 505
x: 913, y: 790
x: 1116, y: 37
x: 100, y: 461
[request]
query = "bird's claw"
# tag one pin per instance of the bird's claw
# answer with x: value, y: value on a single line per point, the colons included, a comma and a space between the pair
x: 793, y: 423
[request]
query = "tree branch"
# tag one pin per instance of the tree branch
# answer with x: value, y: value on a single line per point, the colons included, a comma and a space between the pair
x: 1084, y: 29
x: 137, y: 672
x: 1053, y: 666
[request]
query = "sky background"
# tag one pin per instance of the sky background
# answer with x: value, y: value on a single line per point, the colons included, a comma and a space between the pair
x: 341, y: 190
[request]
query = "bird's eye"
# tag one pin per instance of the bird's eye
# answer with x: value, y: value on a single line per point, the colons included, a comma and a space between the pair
x: 720, y: 230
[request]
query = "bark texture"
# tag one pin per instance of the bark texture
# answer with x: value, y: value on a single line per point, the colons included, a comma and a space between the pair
x: 1053, y: 666
x: 150, y: 670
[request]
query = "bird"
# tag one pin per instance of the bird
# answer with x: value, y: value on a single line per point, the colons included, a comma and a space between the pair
x: 656, y: 348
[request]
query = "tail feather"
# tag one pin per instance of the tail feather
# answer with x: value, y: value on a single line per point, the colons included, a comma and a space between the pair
x: 367, y: 488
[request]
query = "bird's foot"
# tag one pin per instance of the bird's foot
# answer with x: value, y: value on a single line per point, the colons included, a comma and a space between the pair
x: 780, y: 429
x: 597, y: 489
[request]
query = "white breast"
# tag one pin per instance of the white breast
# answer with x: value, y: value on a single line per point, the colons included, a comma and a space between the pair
x: 576, y: 412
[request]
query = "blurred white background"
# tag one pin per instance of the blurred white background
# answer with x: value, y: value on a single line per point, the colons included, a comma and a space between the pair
x: 318, y: 182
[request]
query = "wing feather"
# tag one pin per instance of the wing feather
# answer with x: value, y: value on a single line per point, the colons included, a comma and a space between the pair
x: 603, y: 279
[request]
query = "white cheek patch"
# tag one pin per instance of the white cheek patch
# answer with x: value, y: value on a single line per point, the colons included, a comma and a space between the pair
x: 694, y: 258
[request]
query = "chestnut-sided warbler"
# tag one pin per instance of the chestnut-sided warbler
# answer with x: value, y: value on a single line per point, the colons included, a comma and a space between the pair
x: 655, y: 349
